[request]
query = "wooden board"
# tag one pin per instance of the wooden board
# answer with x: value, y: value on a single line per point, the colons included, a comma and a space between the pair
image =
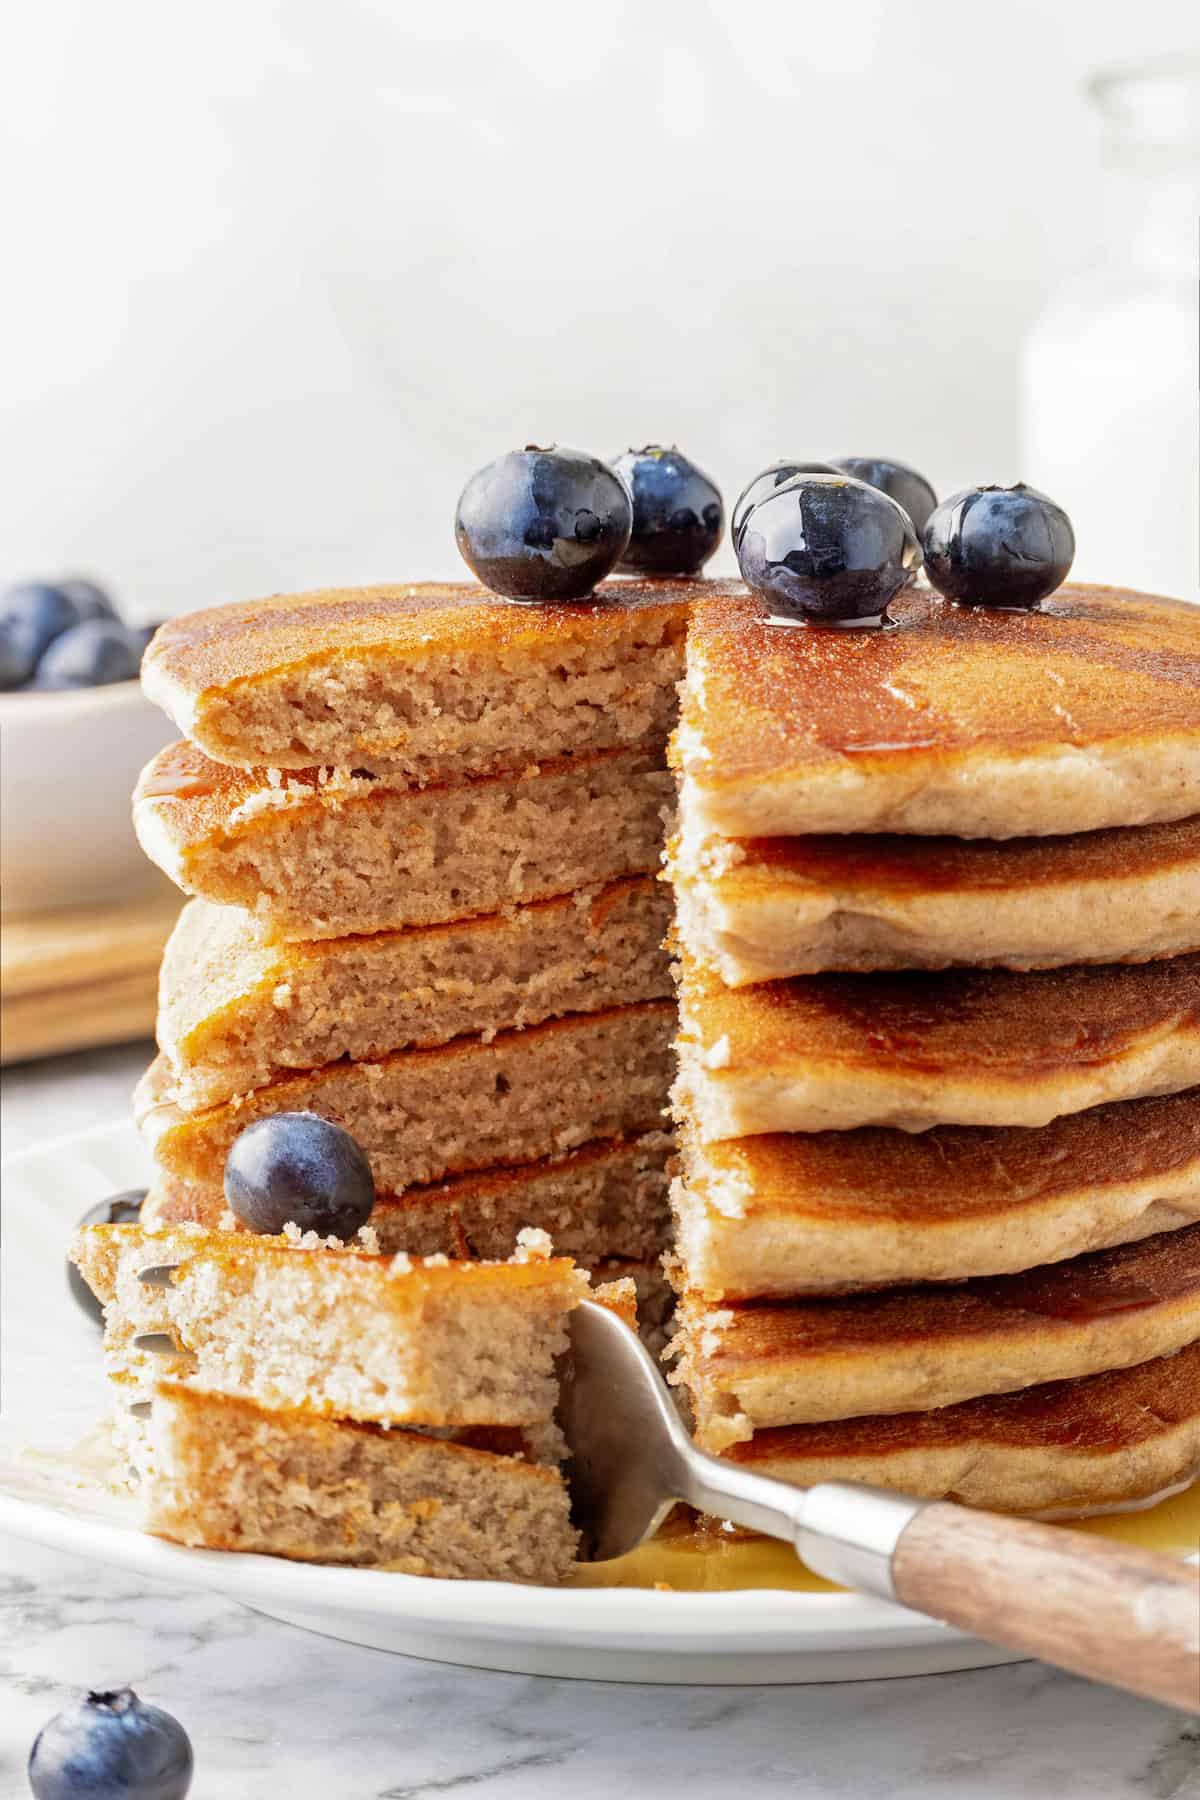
x: 74, y: 978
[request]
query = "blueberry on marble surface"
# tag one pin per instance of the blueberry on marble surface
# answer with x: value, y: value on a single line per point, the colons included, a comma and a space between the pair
x: 297, y: 1168
x: 543, y: 524
x: 825, y: 549
x: 905, y: 486
x: 678, y: 514
x: 998, y: 546
x: 93, y: 654
x: 32, y: 615
x: 111, y: 1746
x: 119, y: 1209
x: 765, y: 483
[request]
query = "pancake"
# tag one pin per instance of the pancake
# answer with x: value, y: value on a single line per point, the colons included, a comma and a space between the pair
x: 427, y: 677
x: 960, y: 1047
x: 766, y: 908
x: 421, y: 1115
x: 835, y: 1211
x: 315, y: 858
x: 795, y: 1362
x: 1068, y: 1448
x: 606, y: 1200
x: 956, y: 720
x: 235, y: 1012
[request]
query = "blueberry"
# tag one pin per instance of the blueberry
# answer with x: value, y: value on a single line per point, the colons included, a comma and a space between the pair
x: 297, y: 1168
x: 772, y: 477
x: 998, y: 546
x: 826, y: 548
x: 678, y: 516
x: 543, y: 524
x: 904, y: 485
x: 31, y: 617
x: 121, y: 1209
x: 113, y: 1745
x: 94, y: 654
x: 88, y: 598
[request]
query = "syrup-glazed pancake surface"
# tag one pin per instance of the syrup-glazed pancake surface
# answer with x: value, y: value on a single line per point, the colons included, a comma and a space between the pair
x: 968, y: 721
x: 314, y: 856
x: 835, y: 1211
x: 768, y: 908
x: 428, y: 676
x: 1066, y: 1448
x: 960, y: 1047
x: 768, y: 1364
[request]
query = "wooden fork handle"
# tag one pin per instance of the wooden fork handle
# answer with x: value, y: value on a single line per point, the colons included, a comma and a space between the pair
x: 1106, y: 1610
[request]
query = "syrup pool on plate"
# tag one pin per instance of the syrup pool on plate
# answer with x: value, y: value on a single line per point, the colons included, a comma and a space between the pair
x: 702, y: 1556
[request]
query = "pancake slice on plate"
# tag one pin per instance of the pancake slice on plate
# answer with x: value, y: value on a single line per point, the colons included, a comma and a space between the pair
x: 959, y: 1047
x: 835, y: 1211
x: 967, y: 721
x: 794, y: 1362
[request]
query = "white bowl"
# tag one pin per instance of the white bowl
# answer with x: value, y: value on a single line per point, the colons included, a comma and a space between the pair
x: 68, y: 763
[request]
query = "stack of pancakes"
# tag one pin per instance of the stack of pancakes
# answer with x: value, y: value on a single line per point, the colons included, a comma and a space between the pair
x: 938, y: 920
x: 423, y: 828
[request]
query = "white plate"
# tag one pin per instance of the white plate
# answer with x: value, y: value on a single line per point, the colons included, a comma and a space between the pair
x: 55, y: 1397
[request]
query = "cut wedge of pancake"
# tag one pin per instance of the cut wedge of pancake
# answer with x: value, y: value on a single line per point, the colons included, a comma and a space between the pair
x: 334, y: 1331
x: 424, y: 1114
x: 226, y: 1474
x: 428, y: 676
x: 960, y: 1047
x: 235, y: 1012
x: 956, y: 720
x: 773, y: 907
x: 836, y: 1211
x: 605, y: 1200
x: 1068, y: 1448
x: 315, y: 857
x: 797, y: 1362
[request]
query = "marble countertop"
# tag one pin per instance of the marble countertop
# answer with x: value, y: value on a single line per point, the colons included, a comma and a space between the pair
x: 271, y: 1707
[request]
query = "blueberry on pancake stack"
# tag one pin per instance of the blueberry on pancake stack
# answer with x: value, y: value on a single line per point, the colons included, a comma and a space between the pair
x: 938, y: 924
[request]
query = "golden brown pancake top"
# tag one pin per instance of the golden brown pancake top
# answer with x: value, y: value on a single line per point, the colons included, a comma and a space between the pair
x: 959, y: 1170
x: 1094, y: 1414
x: 922, y: 865
x: 996, y: 1020
x: 1092, y: 664
x: 248, y: 640
x: 1158, y: 1271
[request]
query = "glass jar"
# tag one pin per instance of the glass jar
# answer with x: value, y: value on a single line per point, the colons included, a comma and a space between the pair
x: 1109, y: 371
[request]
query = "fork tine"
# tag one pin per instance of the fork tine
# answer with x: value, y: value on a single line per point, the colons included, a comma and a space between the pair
x: 140, y: 1409
x: 160, y: 1342
x: 158, y: 1275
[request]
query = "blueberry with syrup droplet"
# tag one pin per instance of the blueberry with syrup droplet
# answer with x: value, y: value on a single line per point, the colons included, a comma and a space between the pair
x: 826, y: 550
x: 998, y: 546
x: 94, y: 654
x: 678, y: 515
x: 119, y: 1209
x: 905, y: 486
x: 297, y: 1168
x: 543, y: 524
x: 765, y: 483
x: 111, y: 1744
x: 32, y: 615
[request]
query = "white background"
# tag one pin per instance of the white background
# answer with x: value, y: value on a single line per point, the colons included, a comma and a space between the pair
x: 282, y: 273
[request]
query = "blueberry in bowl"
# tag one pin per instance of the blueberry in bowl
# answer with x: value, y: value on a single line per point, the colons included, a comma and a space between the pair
x: 998, y: 546
x: 827, y: 550
x: 94, y: 653
x: 764, y: 483
x: 32, y: 615
x: 298, y: 1169
x: 543, y: 524
x: 905, y: 486
x: 111, y: 1743
x: 678, y: 514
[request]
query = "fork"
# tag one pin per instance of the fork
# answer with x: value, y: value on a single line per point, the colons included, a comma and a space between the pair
x: 1114, y: 1613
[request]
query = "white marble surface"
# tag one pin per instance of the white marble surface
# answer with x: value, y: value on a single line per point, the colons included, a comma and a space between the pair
x: 273, y: 1709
